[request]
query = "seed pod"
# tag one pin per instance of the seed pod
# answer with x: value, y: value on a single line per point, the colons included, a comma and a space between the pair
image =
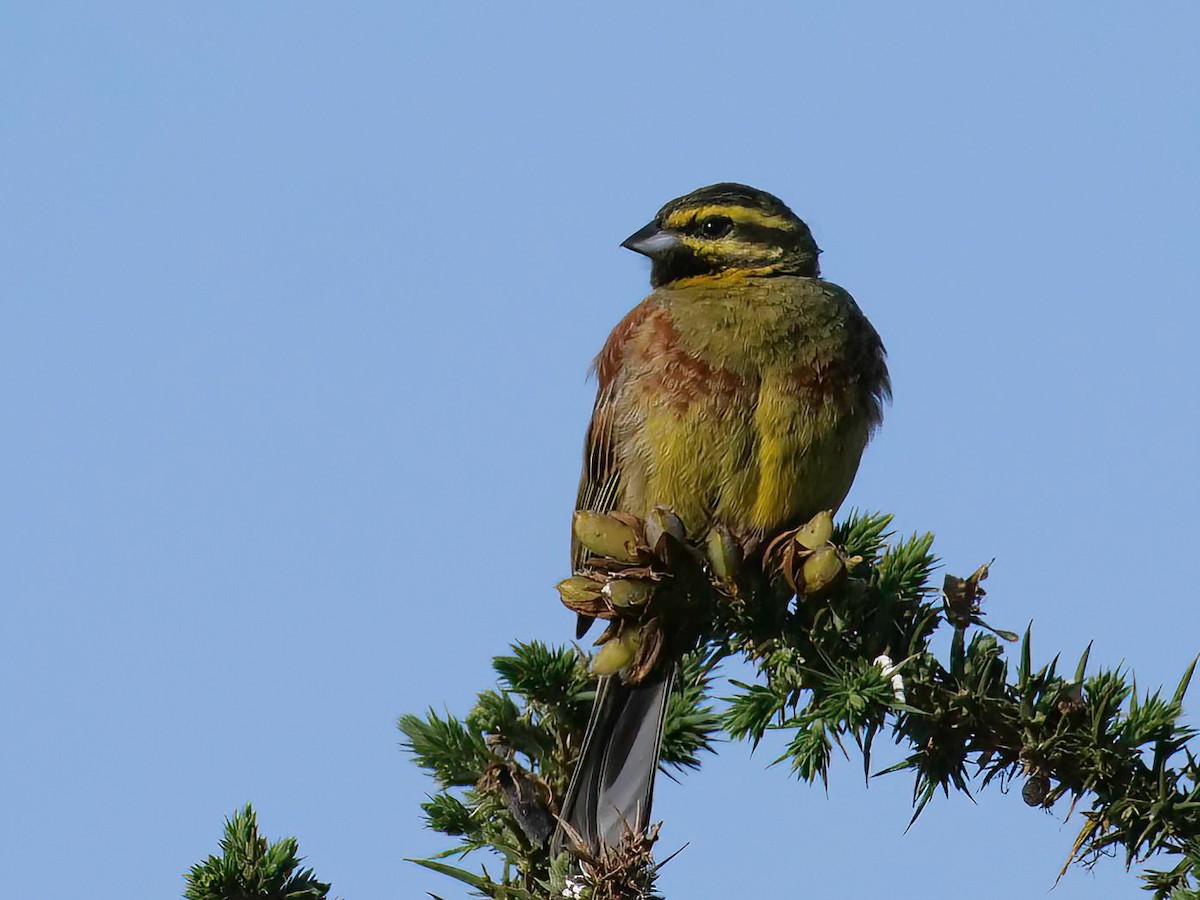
x: 781, y: 557
x: 616, y: 654
x: 582, y: 595
x: 526, y: 796
x: 662, y: 521
x: 821, y: 570
x: 606, y: 536
x: 650, y: 646
x: 1035, y: 790
x: 723, y: 553
x: 624, y: 592
x: 579, y: 588
x: 962, y: 595
x: 816, y: 532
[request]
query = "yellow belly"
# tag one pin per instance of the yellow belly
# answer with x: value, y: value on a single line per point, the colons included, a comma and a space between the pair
x: 757, y: 468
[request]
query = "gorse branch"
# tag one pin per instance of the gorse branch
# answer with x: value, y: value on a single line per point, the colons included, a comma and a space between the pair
x: 500, y: 769
x: 838, y: 623
x: 251, y: 869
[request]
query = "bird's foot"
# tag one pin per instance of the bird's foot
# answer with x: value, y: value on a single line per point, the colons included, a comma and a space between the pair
x: 637, y: 575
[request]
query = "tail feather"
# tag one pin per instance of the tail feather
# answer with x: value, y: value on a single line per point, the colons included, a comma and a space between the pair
x: 613, y: 784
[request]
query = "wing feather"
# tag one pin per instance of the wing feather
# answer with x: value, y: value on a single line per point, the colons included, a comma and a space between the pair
x: 600, y: 484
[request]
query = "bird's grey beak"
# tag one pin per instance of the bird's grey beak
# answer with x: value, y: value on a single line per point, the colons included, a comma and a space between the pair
x: 650, y: 241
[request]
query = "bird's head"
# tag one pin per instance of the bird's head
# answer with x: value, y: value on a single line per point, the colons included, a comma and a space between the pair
x: 725, y: 229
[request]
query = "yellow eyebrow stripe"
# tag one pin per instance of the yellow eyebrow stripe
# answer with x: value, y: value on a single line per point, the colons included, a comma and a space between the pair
x: 742, y: 214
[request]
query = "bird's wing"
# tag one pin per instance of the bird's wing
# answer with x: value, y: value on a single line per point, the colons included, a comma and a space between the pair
x: 600, y: 483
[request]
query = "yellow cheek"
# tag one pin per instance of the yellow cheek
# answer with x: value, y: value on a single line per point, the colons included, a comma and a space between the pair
x: 730, y: 250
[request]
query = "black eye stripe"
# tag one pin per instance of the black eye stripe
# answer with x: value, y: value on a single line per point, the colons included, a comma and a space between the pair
x: 765, y: 234
x: 748, y: 232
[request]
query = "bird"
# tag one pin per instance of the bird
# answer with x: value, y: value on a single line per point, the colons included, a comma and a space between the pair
x: 741, y: 392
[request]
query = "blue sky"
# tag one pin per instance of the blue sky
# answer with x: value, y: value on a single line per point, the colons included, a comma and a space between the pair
x: 298, y: 301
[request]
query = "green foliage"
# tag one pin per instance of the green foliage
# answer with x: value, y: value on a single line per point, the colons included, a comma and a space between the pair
x: 1094, y: 738
x: 690, y: 724
x: 863, y: 534
x: 498, y: 769
x: 251, y: 869
x: 447, y: 747
x: 752, y: 711
x: 845, y: 665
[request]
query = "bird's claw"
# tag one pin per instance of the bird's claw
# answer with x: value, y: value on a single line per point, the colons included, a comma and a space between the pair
x: 625, y: 580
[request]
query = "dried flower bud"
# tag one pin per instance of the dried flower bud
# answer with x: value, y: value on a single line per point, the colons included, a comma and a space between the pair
x: 606, y: 536
x: 723, y: 553
x: 582, y: 595
x: 625, y: 592
x: 817, y: 532
x: 579, y: 588
x: 616, y: 654
x: 662, y: 521
x: 1035, y: 790
x: 962, y: 595
x: 526, y: 796
x: 821, y: 570
x: 650, y: 645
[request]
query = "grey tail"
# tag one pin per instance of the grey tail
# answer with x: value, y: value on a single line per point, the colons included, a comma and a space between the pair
x: 613, y: 783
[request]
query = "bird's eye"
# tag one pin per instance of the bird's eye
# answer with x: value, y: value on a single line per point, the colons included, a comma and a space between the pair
x: 716, y: 226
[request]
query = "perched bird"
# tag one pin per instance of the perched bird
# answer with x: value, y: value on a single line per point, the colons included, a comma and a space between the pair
x: 741, y: 392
